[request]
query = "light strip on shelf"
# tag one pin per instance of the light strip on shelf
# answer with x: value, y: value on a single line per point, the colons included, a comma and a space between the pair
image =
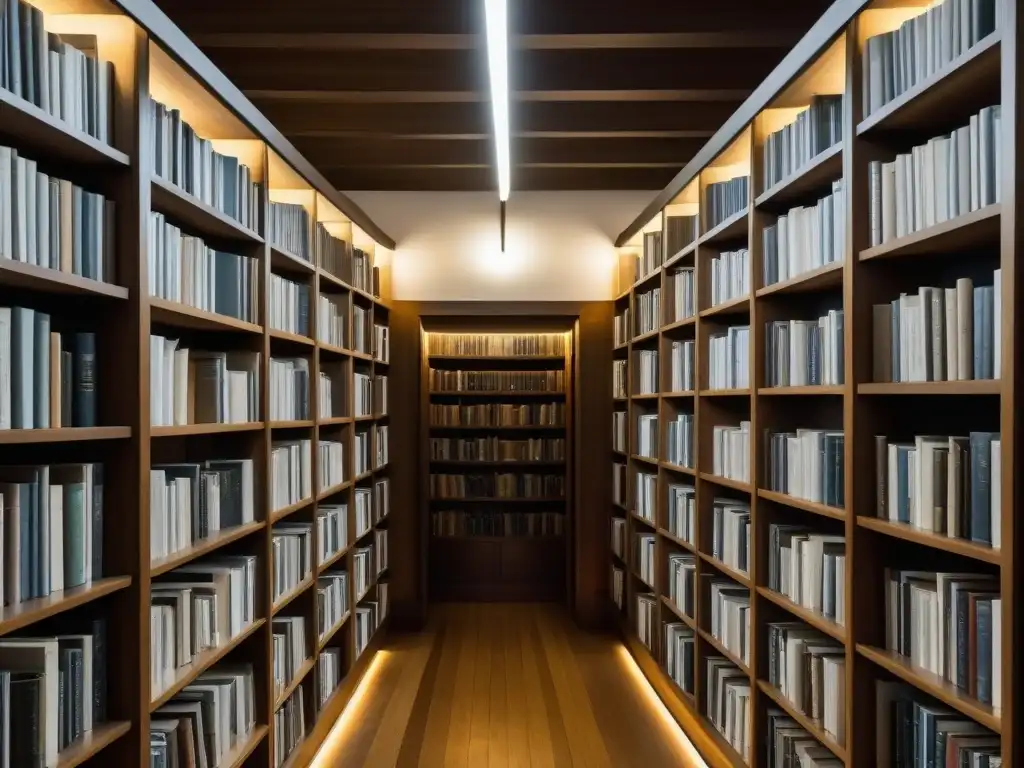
x: 351, y: 717
x: 497, y: 64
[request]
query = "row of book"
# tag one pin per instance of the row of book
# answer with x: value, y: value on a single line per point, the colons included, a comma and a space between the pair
x: 815, y: 129
x: 291, y: 557
x: 805, y: 238
x: 680, y: 231
x: 682, y: 512
x: 949, y: 176
x: 621, y: 327
x: 807, y: 464
x: 362, y: 326
x: 332, y: 601
x: 680, y: 651
x: 646, y: 495
x: 329, y: 669
x: 330, y: 394
x: 289, y: 726
x: 647, y: 435
x: 342, y: 259
x: 288, y: 642
x: 289, y: 305
x: 289, y: 388
x: 647, y: 311
x: 47, y: 377
x: 729, y: 358
x: 801, y: 353
x: 620, y: 434
x: 948, y: 485
x: 363, y: 510
x: 498, y: 415
x: 682, y: 582
x: 730, y: 276
x: 730, y: 533
x: 503, y: 485
x: 680, y: 294
x: 730, y: 453
x: 496, y: 381
x: 809, y: 568
x: 188, y: 161
x: 645, y: 371
x: 330, y: 464
x: 619, y: 371
x: 288, y: 227
x: 679, y: 440
x: 727, y: 702
x: 723, y: 199
x: 646, y: 618
x: 643, y: 553
x: 331, y: 530
x: 190, y: 502
x: 682, y: 366
x: 381, y: 343
x: 456, y: 522
x: 497, y: 449
x: 291, y: 474
x: 651, y: 255
x: 730, y: 615
x: 332, y: 320
x: 51, y: 222
x: 190, y: 386
x: 940, y: 334
x: 496, y: 344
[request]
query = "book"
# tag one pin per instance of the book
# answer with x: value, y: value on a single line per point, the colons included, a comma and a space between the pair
x: 289, y: 305
x: 805, y: 238
x: 807, y: 464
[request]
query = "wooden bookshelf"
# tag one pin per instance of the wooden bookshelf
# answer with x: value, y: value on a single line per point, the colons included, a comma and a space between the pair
x: 153, y: 59
x: 830, y: 59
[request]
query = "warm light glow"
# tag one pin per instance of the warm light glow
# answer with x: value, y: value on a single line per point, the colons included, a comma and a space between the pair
x: 327, y: 755
x: 671, y: 726
x: 497, y: 64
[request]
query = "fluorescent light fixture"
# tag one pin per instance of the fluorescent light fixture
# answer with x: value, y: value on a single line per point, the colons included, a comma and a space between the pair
x: 497, y: 64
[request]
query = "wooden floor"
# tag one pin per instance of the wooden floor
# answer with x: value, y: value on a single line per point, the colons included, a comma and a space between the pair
x: 504, y: 685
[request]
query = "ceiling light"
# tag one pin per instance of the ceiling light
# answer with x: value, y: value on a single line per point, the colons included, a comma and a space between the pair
x: 497, y: 64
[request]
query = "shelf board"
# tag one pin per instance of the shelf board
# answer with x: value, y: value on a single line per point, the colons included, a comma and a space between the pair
x: 333, y: 421
x: 495, y: 358
x: 813, y: 618
x: 674, y: 609
x: 20, y: 615
x: 288, y: 597
x: 497, y: 500
x: 62, y: 435
x: 292, y: 338
x: 825, y: 167
x: 293, y: 684
x: 202, y: 662
x: 298, y: 424
x: 290, y: 262
x: 962, y: 547
x: 679, y: 542
x: 648, y: 278
x: 737, y: 306
x: 102, y: 735
x: 465, y: 538
x: 687, y: 250
x: 816, y: 389
x: 645, y: 336
x: 686, y: 322
x: 333, y: 560
x: 679, y: 393
x: 738, y: 576
x: 331, y: 349
x: 956, y: 83
x: 714, y: 643
x: 807, y: 506
x: 645, y: 459
x: 205, y: 429
x: 822, y: 278
x: 725, y: 482
x: 733, y: 228
x: 45, y: 280
x: 644, y: 396
x: 636, y: 575
x: 34, y: 127
x: 807, y: 723
x: 201, y: 218
x: 516, y: 463
x: 500, y: 393
x: 477, y: 428
x: 280, y: 514
x: 338, y: 488
x: 677, y: 468
x: 183, y: 316
x: 202, y: 547
x: 952, y: 236
x: 933, y: 685
x: 240, y: 752
x: 971, y: 387
x: 643, y: 520
x: 330, y: 633
x: 744, y: 392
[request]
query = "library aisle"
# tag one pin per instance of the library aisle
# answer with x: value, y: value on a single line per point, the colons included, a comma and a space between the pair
x: 504, y: 685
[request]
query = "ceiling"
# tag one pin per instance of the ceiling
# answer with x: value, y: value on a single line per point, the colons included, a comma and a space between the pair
x: 393, y: 94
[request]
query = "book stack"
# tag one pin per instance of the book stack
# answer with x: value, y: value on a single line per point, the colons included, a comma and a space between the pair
x: 650, y: 257
x: 380, y: 548
x: 731, y: 452
x: 185, y: 269
x: 289, y: 726
x: 331, y: 601
x: 52, y: 529
x: 291, y: 546
x: 805, y: 238
x: 621, y: 327
x: 949, y: 624
x: 727, y: 702
x: 497, y: 415
x: 619, y: 484
x: 289, y: 388
x: 645, y: 371
x: 730, y: 615
x: 679, y: 294
x: 328, y: 669
x: 192, y: 502
x: 289, y: 229
x: 334, y: 253
x: 682, y: 363
x: 380, y: 445
x: 940, y: 334
x: 47, y: 379
x: 730, y: 276
x: 331, y: 320
x: 189, y: 386
x: 682, y: 512
x: 646, y: 495
x: 682, y: 582
x: 381, y: 343
x: 646, y: 612
x: 331, y: 530
x: 680, y: 231
x: 364, y: 511
x: 198, y: 607
x: 618, y: 585
x: 789, y: 149
x: 807, y: 464
x: 458, y: 522
x: 729, y: 358
x: 289, y: 306
x: 208, y: 719
x: 330, y: 464
x: 647, y: 435
x: 381, y: 499
x: 724, y: 199
x: 619, y: 431
x: 189, y: 162
x: 330, y: 396
x: 645, y: 544
x: 951, y: 175
x: 380, y: 395
x: 896, y: 61
x: 291, y: 479
x: 362, y: 568
x: 809, y: 670
x: 619, y: 536
x: 947, y: 485
x: 362, y: 452
x: 800, y: 353
x: 496, y: 381
x: 619, y: 388
x: 362, y: 394
x: 809, y: 568
x: 361, y: 327
x: 680, y: 643
x: 679, y: 441
x: 648, y: 311
x: 289, y: 644
x: 730, y: 535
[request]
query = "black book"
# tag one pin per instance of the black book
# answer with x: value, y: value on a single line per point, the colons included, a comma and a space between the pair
x: 85, y: 380
x: 26, y: 720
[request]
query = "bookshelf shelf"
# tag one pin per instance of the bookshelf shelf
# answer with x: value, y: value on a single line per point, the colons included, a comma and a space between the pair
x: 962, y: 547
x: 808, y: 724
x: 101, y: 736
x: 826, y: 166
x: 725, y: 392
x: 725, y: 482
x: 645, y: 460
x: 817, y: 389
x: 806, y: 615
x: 642, y: 520
x: 196, y: 215
x: 711, y: 640
x: 286, y: 599
x: 646, y: 336
x: 236, y: 757
x: 686, y: 322
x: 822, y: 278
x: 977, y: 387
x: 677, y: 541
x: 289, y: 262
x: 526, y: 463
x: 808, y: 506
x: 738, y: 576
x: 733, y: 228
x: 737, y: 306
x: 500, y: 393
x: 687, y: 393
x: 184, y: 430
x: 291, y: 338
x: 677, y: 468
x: 280, y: 514
x: 294, y: 683
x: 23, y: 614
x: 36, y: 278
x: 970, y: 230
x: 333, y: 560
x: 329, y: 635
x: 203, y: 547
x: 687, y: 620
x: 63, y: 435
x: 183, y: 316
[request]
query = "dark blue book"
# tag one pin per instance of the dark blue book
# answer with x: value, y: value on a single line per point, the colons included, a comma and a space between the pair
x: 84, y: 411
x: 981, y: 486
x: 983, y: 634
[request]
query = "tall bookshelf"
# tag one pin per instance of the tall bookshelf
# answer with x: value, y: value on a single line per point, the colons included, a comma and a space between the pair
x: 860, y: 514
x: 497, y: 459
x: 151, y: 59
